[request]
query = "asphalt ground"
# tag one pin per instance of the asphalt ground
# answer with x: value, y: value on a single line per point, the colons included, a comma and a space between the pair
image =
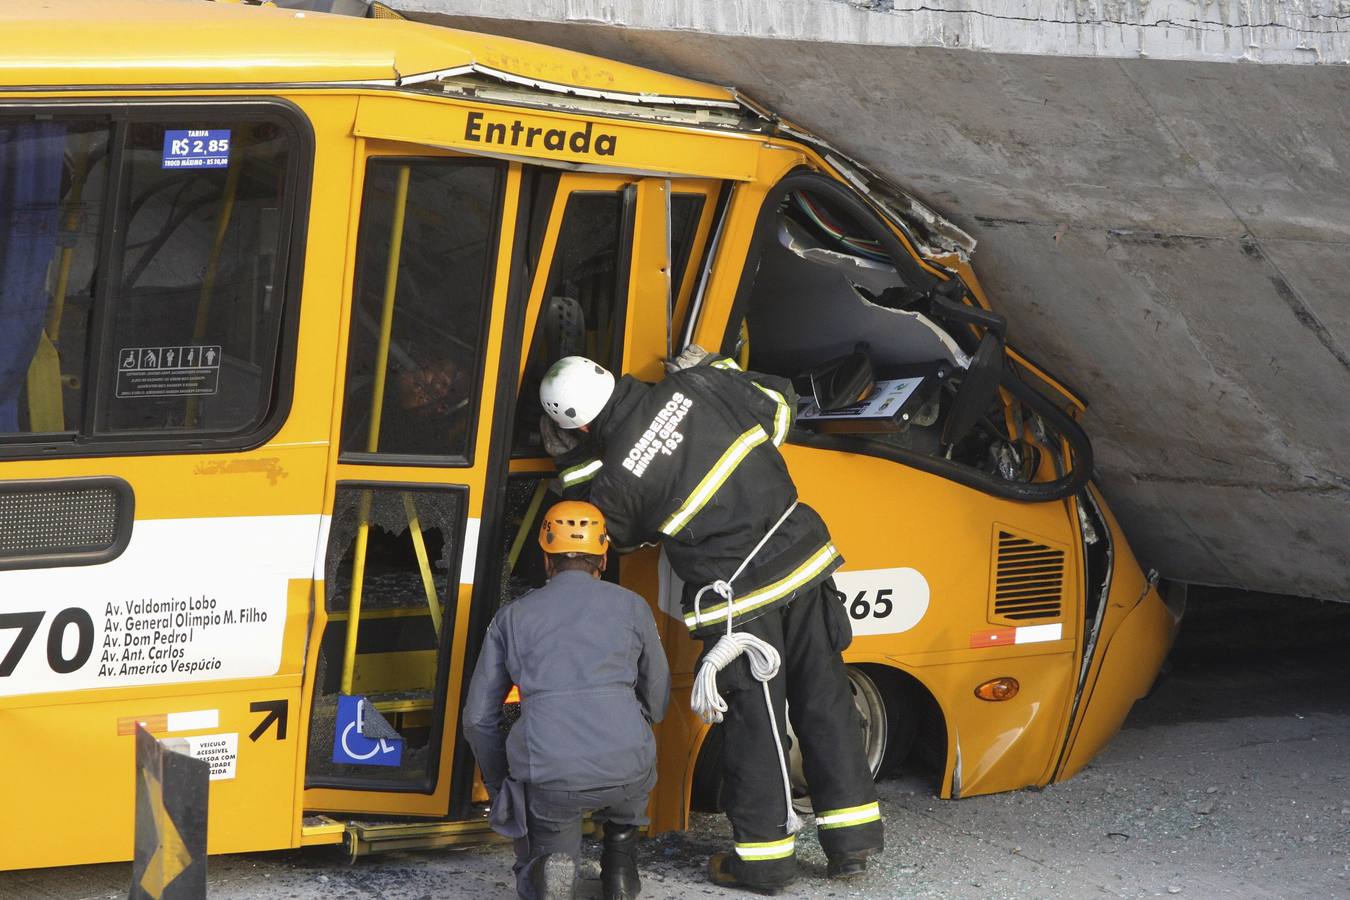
x: 1231, y: 780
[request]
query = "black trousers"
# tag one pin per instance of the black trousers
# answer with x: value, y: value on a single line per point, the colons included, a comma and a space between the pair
x: 554, y: 822
x: 810, y: 632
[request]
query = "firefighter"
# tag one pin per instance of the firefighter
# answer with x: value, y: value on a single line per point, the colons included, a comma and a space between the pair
x: 593, y: 678
x: 693, y: 463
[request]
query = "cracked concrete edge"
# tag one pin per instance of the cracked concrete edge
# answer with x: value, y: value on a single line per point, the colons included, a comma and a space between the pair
x: 1283, y: 32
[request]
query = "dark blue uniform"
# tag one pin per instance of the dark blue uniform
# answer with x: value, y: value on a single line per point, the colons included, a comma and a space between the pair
x: 593, y: 678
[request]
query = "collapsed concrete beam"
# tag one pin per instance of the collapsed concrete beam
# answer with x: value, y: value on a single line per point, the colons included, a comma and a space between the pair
x: 1273, y: 31
x: 1170, y: 234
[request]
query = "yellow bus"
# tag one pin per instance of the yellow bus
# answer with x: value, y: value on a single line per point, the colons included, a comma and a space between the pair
x: 276, y: 289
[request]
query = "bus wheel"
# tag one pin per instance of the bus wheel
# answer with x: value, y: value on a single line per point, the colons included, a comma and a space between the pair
x: 877, y: 721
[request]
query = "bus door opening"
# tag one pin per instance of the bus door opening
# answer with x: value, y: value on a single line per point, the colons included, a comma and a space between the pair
x: 410, y: 479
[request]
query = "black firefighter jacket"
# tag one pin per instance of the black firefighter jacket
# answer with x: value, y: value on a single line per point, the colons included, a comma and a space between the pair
x: 692, y: 463
x: 592, y: 678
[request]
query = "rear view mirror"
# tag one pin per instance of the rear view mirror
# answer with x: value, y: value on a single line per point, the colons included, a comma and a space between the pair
x: 843, y: 381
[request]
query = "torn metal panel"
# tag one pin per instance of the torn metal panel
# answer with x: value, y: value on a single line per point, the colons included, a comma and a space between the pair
x: 807, y: 308
x: 929, y: 233
x: 471, y: 82
x: 572, y: 90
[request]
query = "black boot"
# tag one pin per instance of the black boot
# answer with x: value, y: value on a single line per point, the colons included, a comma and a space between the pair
x: 618, y: 863
x: 554, y: 877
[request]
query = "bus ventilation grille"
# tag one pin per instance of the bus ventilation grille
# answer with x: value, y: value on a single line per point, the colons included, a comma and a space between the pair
x: 1028, y: 579
x: 57, y: 521
x: 63, y: 521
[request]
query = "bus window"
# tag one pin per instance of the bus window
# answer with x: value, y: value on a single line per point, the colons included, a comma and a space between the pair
x: 53, y: 175
x: 585, y: 298
x: 584, y: 301
x: 173, y: 327
x: 413, y: 539
x: 417, y: 340
x: 685, y: 212
x: 196, y: 307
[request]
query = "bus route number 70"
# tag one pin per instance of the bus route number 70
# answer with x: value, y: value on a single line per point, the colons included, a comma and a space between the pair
x: 28, y: 622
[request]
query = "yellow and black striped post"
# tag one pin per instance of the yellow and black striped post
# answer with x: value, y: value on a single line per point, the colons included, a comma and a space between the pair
x: 170, y: 850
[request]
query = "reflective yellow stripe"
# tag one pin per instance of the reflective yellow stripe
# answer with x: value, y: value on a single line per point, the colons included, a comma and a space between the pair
x: 782, y: 417
x: 578, y: 474
x: 715, y: 478
x: 725, y: 363
x: 852, y: 815
x: 819, y: 562
x: 768, y: 849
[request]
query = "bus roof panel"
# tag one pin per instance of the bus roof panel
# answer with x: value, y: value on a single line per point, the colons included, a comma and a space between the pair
x: 61, y: 43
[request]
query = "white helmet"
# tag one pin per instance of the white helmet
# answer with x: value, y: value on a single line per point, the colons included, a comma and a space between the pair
x: 574, y: 390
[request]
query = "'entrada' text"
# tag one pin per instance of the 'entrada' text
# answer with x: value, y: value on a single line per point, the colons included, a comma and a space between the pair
x: 518, y: 134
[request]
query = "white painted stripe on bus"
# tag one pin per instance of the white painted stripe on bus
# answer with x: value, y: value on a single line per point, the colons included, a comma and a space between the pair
x: 1037, y: 634
x: 193, y: 721
x: 218, y: 586
x: 469, y: 556
x: 321, y: 551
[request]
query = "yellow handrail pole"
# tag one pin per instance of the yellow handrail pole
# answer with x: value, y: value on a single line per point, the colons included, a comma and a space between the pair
x: 212, y: 269
x: 213, y: 261
x: 423, y: 562
x: 376, y: 413
x: 79, y: 173
x: 519, y: 543
x: 358, y: 582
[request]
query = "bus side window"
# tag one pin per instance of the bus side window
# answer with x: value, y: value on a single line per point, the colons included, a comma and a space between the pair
x: 172, y: 327
x: 53, y: 175
x: 415, y: 345
x: 197, y: 300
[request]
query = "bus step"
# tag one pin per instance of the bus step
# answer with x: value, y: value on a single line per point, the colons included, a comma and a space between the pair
x: 318, y: 830
x: 363, y: 837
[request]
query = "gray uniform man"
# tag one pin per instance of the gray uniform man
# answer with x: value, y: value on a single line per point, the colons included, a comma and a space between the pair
x: 593, y: 678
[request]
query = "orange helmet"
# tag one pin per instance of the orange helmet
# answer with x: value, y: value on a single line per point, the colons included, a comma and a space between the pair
x: 573, y: 527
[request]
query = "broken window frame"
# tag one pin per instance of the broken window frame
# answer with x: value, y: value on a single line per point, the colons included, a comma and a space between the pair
x: 1068, y: 434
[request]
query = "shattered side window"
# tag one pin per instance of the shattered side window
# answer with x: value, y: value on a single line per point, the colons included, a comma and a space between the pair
x: 395, y: 553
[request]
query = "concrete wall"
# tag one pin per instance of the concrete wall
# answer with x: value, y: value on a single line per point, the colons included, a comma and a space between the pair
x: 1167, y: 227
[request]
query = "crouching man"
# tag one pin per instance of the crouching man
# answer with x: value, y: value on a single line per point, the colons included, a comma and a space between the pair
x: 593, y: 679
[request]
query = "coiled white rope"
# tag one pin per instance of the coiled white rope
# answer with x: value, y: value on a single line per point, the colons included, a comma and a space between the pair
x: 764, y: 660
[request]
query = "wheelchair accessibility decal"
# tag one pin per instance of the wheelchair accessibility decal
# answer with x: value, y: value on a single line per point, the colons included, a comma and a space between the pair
x: 363, y: 737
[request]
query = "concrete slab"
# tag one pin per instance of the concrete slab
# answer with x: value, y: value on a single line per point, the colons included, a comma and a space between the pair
x: 1166, y: 229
